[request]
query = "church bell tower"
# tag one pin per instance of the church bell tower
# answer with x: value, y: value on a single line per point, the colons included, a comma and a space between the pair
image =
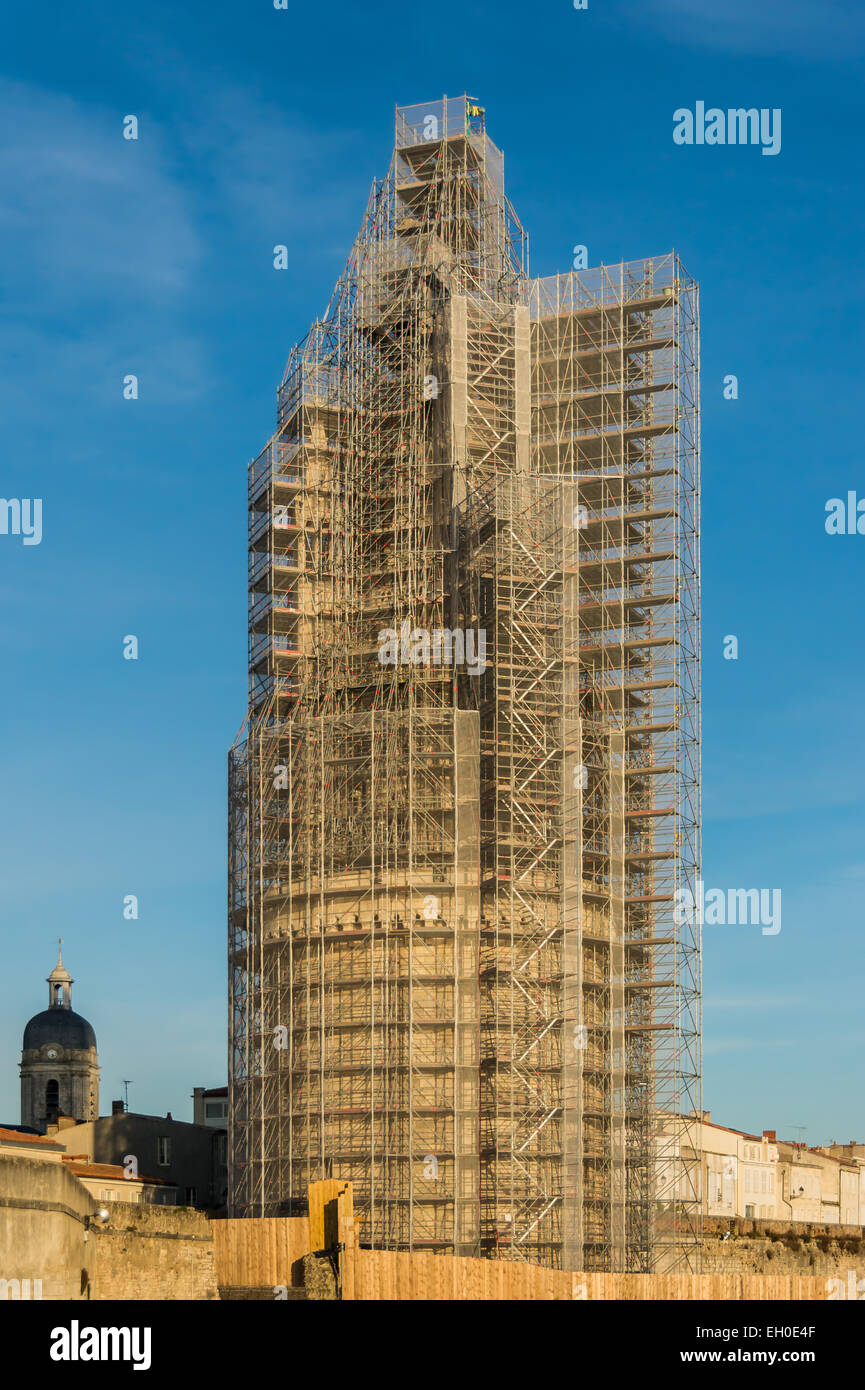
x: 59, y: 1061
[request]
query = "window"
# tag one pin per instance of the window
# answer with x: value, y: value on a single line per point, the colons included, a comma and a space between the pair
x: 759, y: 1180
x: 52, y: 1101
x: 191, y: 1196
x: 107, y: 1194
x: 163, y: 1150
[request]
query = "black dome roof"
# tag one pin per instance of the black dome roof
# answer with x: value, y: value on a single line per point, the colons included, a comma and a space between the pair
x: 60, y: 1026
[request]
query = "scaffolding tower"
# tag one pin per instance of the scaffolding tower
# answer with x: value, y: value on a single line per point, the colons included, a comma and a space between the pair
x: 465, y: 797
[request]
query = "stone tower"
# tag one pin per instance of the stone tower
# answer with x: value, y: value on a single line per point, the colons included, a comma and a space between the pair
x: 59, y: 1062
x: 464, y: 806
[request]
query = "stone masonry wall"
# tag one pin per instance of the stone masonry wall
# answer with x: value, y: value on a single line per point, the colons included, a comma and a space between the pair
x: 49, y: 1232
x: 145, y: 1252
x: 44, y: 1216
x: 776, y: 1247
x: 53, y: 1246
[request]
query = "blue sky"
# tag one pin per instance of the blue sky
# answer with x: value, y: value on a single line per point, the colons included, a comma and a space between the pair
x: 154, y: 257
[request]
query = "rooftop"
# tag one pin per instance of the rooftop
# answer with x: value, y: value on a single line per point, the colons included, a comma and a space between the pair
x: 80, y: 1165
x: 20, y: 1136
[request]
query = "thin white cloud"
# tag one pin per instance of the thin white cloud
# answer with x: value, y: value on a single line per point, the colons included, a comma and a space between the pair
x: 272, y: 172
x: 85, y: 213
x: 796, y: 28
x: 99, y: 260
x: 106, y: 243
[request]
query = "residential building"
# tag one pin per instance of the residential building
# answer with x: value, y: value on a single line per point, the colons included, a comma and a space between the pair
x: 211, y: 1107
x: 852, y: 1153
x: 112, y: 1182
x: 801, y: 1187
x: 740, y: 1171
x: 188, y: 1158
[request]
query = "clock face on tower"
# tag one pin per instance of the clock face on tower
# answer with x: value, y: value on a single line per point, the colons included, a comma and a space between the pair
x: 51, y: 1053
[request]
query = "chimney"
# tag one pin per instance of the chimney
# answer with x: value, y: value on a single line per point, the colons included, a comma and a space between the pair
x: 770, y: 1135
x: 707, y: 1115
x: 117, y: 1107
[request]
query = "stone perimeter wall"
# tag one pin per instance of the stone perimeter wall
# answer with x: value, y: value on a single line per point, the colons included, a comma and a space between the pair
x: 44, y: 1215
x: 48, y: 1233
x: 153, y: 1253
x: 49, y: 1236
x: 779, y: 1247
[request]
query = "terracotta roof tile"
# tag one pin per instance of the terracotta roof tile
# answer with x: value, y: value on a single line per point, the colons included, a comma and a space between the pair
x: 15, y: 1136
x: 83, y: 1169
